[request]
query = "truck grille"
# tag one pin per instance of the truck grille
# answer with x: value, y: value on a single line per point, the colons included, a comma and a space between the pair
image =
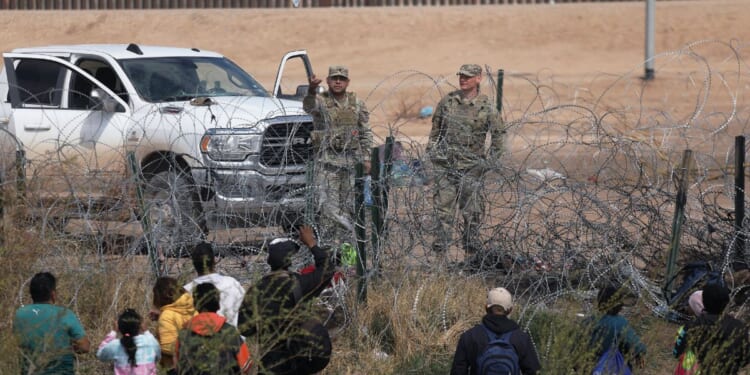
x: 286, y: 143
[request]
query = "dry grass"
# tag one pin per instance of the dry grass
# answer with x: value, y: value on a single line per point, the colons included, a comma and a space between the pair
x: 410, y: 324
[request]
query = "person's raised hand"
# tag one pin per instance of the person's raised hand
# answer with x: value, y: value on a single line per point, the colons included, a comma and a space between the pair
x: 314, y: 83
x: 307, y: 236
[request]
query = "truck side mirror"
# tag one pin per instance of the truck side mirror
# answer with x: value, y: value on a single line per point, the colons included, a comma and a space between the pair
x: 302, y: 90
x: 108, y: 103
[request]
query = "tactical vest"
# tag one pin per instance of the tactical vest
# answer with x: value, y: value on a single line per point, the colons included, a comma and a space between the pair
x: 464, y: 129
x: 342, y: 133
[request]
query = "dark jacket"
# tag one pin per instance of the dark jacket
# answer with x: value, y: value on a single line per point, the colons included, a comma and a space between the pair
x: 720, y: 343
x: 474, y: 342
x: 608, y: 330
x: 275, y: 307
x: 209, y: 345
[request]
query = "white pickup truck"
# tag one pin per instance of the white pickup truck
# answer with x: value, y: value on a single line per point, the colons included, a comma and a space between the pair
x: 209, y: 140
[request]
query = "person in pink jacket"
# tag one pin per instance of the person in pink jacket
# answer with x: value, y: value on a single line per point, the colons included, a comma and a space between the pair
x: 175, y: 309
x: 136, y: 352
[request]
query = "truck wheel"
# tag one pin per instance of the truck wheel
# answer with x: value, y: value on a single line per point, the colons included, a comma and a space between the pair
x: 174, y: 213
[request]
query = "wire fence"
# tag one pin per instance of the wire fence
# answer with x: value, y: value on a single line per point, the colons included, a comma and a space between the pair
x: 584, y: 193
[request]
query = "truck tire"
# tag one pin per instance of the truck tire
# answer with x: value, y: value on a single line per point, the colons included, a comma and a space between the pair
x: 174, y: 213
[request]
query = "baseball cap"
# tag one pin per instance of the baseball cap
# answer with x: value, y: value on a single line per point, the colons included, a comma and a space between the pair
x: 500, y: 297
x: 338, y: 71
x: 469, y: 70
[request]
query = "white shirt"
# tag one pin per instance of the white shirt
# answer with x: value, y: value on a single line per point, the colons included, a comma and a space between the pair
x: 231, y: 292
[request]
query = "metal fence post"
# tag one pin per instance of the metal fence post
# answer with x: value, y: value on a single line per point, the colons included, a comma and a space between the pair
x: 311, y: 192
x: 500, y: 78
x: 739, y: 200
x: 360, y: 231
x: 376, y: 209
x: 20, y: 174
x: 2, y: 209
x: 679, y: 217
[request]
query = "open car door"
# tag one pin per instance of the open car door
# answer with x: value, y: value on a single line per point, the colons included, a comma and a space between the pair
x: 71, y: 125
x: 293, y: 76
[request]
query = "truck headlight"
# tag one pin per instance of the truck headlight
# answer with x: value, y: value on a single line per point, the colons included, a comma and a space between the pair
x: 231, y: 144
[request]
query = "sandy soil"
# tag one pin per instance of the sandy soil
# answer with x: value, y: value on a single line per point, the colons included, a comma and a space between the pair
x: 565, y: 39
x: 577, y: 45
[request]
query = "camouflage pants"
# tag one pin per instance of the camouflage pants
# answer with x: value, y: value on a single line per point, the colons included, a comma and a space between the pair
x: 462, y: 190
x: 335, y: 202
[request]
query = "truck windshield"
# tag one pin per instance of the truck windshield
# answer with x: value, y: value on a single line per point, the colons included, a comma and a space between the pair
x: 166, y: 79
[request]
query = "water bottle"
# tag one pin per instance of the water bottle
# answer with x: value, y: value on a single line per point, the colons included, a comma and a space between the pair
x: 368, y: 191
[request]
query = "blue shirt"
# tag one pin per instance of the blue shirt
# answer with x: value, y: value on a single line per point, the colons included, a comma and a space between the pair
x: 45, y: 333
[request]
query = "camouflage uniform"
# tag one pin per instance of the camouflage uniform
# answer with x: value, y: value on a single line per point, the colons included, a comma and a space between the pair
x: 456, y: 148
x: 341, y: 138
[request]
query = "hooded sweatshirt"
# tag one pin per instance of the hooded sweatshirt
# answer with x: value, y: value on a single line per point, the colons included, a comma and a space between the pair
x: 231, y: 291
x: 210, y: 346
x: 474, y: 342
x: 172, y: 319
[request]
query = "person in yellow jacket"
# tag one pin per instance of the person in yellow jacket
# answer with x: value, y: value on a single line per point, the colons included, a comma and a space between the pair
x: 175, y: 309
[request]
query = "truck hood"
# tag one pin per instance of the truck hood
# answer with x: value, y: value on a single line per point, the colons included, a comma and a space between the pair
x: 231, y: 111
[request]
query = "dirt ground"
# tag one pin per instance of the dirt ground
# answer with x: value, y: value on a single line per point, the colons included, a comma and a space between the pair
x: 393, y: 52
x: 567, y: 40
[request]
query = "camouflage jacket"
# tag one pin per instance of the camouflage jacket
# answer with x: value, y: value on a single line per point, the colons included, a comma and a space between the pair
x: 459, y: 130
x: 341, y: 130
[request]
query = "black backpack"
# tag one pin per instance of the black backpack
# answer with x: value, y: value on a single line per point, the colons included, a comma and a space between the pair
x: 309, y: 345
x: 500, y: 356
x: 692, y: 276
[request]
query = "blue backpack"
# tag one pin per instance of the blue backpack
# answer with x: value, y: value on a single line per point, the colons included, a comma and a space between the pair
x: 500, y: 356
x: 611, y: 362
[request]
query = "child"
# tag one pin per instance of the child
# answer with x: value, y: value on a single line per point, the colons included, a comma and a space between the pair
x: 612, y: 329
x: 175, y: 309
x: 209, y: 344
x: 136, y: 352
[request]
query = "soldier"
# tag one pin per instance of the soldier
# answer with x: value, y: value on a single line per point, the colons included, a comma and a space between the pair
x: 341, y: 139
x: 456, y: 148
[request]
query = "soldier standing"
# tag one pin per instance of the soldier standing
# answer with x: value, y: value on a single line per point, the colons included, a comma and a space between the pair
x: 456, y: 148
x: 341, y: 138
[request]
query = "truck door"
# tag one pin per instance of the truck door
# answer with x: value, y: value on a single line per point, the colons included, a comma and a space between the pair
x: 71, y: 125
x: 293, y: 76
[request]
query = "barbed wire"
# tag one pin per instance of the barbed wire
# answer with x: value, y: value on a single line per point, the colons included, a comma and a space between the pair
x: 584, y: 193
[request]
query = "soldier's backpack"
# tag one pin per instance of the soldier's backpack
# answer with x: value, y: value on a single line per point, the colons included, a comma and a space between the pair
x: 500, y: 356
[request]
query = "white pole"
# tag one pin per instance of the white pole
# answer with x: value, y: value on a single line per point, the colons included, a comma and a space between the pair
x: 650, y: 10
